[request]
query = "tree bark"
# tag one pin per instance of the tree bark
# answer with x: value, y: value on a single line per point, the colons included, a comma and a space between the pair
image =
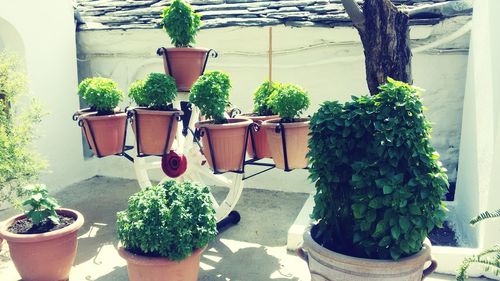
x: 385, y: 35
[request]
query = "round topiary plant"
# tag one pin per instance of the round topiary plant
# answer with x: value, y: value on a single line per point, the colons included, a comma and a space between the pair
x: 261, y: 98
x: 167, y: 220
x: 289, y: 102
x: 102, y: 94
x: 379, y: 182
x: 210, y: 93
x: 157, y: 92
x: 181, y: 23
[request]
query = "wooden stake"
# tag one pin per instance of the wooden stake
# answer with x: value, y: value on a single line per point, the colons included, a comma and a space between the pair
x: 270, y: 55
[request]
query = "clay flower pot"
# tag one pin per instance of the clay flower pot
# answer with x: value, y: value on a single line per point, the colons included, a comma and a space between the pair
x: 143, y: 268
x: 105, y: 133
x: 151, y: 130
x: 184, y: 64
x: 227, y: 142
x: 328, y: 265
x: 259, y: 137
x: 45, y: 256
x: 296, y: 136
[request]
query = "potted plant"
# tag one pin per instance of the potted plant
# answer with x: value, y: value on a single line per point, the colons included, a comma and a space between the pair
x: 20, y: 164
x: 154, y: 122
x: 43, y: 241
x: 104, y: 128
x: 288, y: 135
x: 379, y: 186
x: 262, y: 112
x: 224, y: 139
x: 183, y: 62
x: 164, y: 231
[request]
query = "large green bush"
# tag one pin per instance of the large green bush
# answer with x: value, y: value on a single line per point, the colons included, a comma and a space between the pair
x: 20, y: 164
x: 102, y: 94
x: 261, y: 97
x: 210, y: 93
x: 181, y: 23
x: 289, y: 101
x: 379, y: 182
x: 158, y: 91
x: 169, y: 220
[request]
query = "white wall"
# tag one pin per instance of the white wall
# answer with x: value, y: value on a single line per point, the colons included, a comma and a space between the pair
x: 46, y: 30
x: 329, y: 63
x: 478, y: 179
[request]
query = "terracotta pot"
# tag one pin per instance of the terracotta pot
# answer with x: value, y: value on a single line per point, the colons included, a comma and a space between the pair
x: 328, y: 265
x: 185, y: 65
x: 296, y: 135
x: 108, y: 132
x: 259, y: 137
x: 228, y: 143
x: 142, y: 268
x: 45, y: 256
x: 153, y: 130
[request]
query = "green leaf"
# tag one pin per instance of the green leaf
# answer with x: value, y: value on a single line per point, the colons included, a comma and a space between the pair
x: 414, y: 209
x: 395, y: 232
x: 375, y: 203
x: 386, y: 241
x: 404, y: 223
x: 388, y: 189
x: 358, y: 210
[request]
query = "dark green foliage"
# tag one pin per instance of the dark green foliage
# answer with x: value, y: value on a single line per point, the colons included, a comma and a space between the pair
x: 379, y: 182
x: 289, y: 102
x: 100, y: 93
x: 169, y: 220
x: 181, y: 23
x: 261, y: 98
x: 158, y: 91
x: 489, y: 258
x: 210, y: 93
x: 42, y: 207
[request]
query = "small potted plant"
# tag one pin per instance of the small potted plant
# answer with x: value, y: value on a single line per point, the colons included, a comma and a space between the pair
x: 183, y: 62
x: 262, y: 112
x: 379, y: 186
x: 155, y: 115
x: 164, y: 231
x: 104, y: 128
x: 289, y: 101
x: 224, y: 139
x: 43, y: 241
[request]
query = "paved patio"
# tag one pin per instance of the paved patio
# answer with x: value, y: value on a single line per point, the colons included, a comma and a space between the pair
x: 253, y: 250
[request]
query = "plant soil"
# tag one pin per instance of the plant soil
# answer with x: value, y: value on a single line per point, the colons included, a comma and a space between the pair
x: 25, y: 226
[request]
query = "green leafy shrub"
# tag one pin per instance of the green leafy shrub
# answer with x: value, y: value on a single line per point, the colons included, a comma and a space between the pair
x: 169, y: 220
x: 158, y: 91
x: 20, y: 164
x: 289, y: 102
x: 378, y: 180
x: 261, y: 98
x: 210, y: 93
x: 489, y: 258
x: 42, y: 207
x: 181, y: 23
x: 100, y: 93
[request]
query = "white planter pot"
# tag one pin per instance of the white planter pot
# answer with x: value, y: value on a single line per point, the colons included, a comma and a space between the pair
x: 327, y: 265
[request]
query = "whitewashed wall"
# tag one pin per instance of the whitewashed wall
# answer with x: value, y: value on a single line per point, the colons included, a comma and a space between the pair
x: 329, y: 63
x: 42, y: 34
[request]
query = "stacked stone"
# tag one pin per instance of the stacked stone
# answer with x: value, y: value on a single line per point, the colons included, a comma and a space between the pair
x: 146, y: 14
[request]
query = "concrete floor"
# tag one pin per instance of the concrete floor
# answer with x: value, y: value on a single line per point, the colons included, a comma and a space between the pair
x: 253, y: 250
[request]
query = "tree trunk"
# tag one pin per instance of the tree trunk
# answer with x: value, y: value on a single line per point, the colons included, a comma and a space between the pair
x: 385, y: 34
